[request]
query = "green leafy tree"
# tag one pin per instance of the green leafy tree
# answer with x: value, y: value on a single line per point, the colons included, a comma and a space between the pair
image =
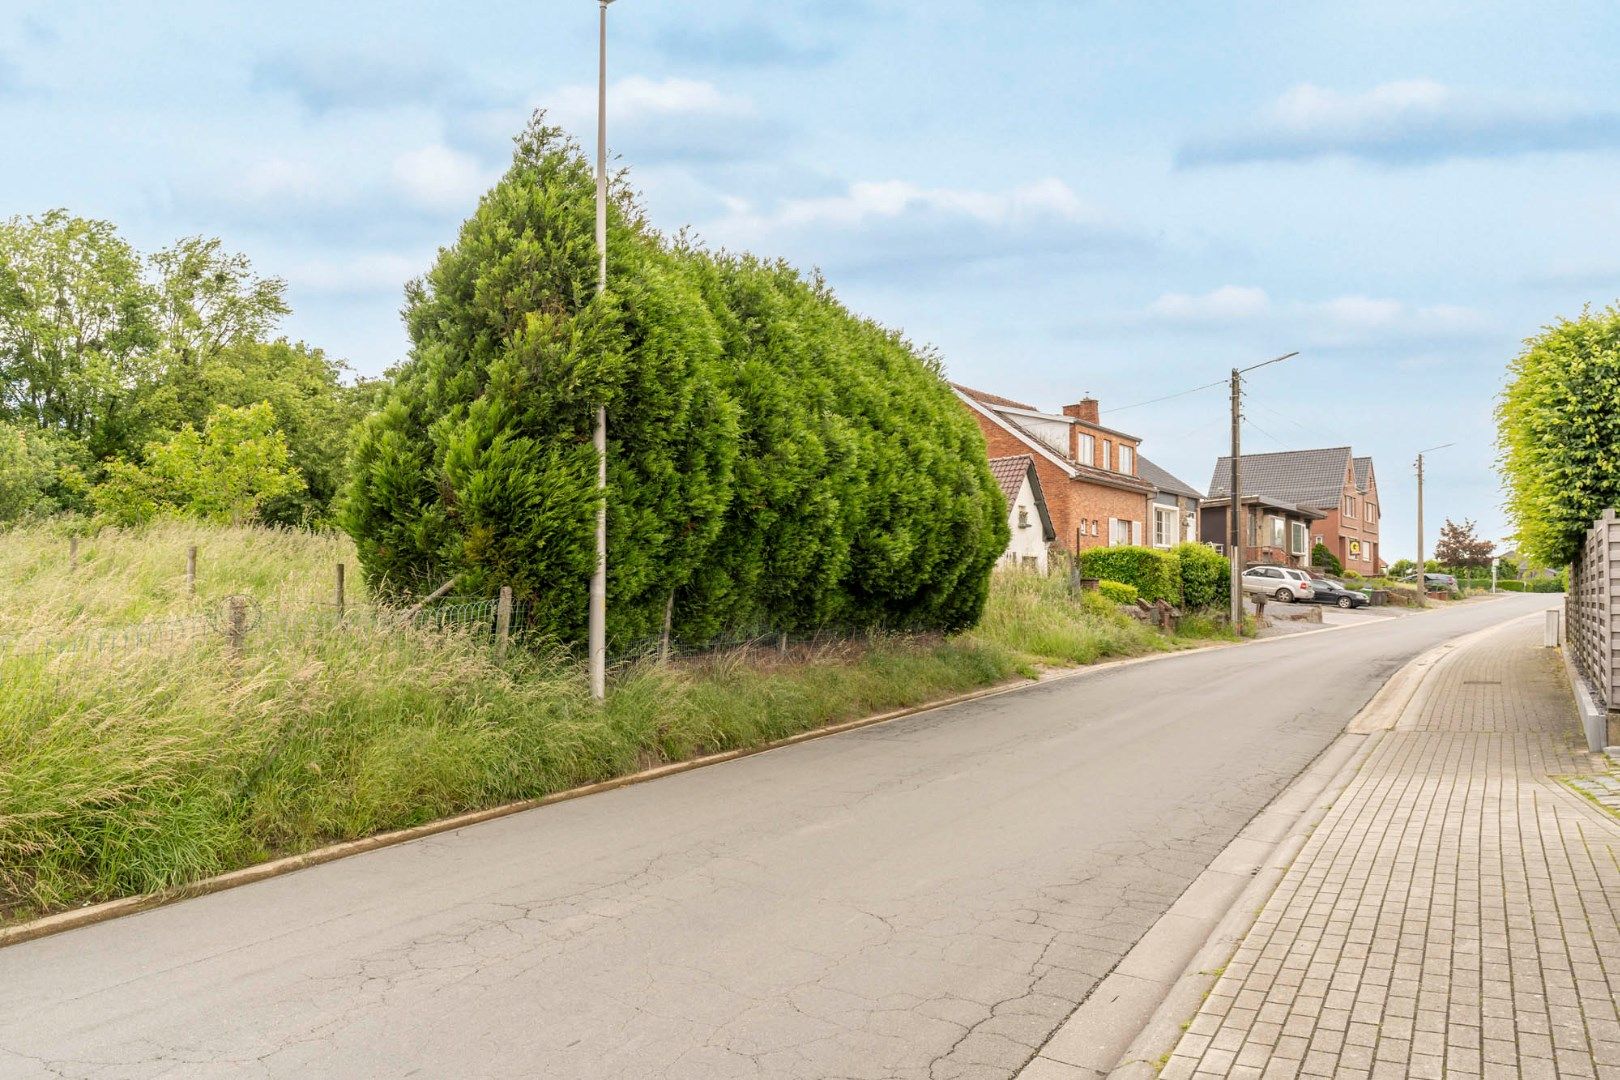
x: 1558, y: 433
x: 1401, y: 567
x: 27, y: 472
x: 1324, y: 559
x: 76, y: 328
x: 774, y: 461
x: 223, y: 473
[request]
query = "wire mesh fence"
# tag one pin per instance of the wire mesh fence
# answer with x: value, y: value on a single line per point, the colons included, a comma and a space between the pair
x: 242, y: 622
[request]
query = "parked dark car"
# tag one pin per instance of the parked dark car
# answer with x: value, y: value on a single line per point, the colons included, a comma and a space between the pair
x: 1435, y: 582
x: 1324, y: 591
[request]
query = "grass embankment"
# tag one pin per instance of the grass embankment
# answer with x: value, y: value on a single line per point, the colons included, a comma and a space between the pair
x: 137, y: 768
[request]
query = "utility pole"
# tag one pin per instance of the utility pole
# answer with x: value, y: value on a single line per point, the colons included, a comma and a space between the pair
x: 1234, y: 520
x: 1422, y: 567
x: 1234, y: 528
x: 597, y: 632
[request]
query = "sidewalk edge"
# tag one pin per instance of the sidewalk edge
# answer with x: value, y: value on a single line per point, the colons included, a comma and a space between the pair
x: 1135, y: 1015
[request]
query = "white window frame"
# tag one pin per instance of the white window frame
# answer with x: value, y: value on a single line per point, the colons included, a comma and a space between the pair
x: 1088, y: 450
x: 1166, y: 525
x: 1299, y: 538
x: 1126, y: 459
x: 1276, y: 532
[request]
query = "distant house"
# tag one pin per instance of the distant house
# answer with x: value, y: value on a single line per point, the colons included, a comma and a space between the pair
x: 1274, y: 531
x: 1174, y: 506
x: 1340, y: 488
x: 1027, y: 515
x: 1088, y: 473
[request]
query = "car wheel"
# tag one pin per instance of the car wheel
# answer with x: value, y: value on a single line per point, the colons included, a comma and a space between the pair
x: 1284, y: 595
x: 1346, y: 602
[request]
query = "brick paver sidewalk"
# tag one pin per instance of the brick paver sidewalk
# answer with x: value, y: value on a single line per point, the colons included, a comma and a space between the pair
x: 1456, y: 913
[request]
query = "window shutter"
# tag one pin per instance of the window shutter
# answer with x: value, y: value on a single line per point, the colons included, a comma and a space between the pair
x: 1136, y: 532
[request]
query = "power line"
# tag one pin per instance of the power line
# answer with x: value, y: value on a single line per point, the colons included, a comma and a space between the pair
x: 1167, y: 397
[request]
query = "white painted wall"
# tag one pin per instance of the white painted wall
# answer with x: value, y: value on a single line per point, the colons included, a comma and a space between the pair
x: 1024, y: 518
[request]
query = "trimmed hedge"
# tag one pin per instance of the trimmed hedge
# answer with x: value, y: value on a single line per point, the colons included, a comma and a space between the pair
x: 1206, y: 576
x: 1156, y: 575
x: 1118, y: 591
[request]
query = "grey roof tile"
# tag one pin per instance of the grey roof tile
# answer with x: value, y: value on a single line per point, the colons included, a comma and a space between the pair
x: 1306, y: 477
x: 1164, y: 481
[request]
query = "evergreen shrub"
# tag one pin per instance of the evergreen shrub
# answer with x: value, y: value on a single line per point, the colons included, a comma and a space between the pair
x: 1206, y: 576
x: 775, y: 462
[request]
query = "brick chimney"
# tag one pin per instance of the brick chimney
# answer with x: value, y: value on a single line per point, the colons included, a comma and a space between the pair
x: 1086, y: 410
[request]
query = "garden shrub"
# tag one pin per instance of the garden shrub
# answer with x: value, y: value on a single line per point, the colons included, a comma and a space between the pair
x: 1154, y: 574
x: 1206, y: 576
x: 1118, y: 591
x: 1324, y: 559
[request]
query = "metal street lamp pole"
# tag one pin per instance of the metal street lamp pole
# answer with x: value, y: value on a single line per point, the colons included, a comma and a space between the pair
x: 597, y: 633
x: 1422, y: 568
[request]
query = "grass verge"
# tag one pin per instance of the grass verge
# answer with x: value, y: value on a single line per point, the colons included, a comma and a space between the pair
x: 133, y: 770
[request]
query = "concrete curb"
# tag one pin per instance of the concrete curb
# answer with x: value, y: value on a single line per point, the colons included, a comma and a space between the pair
x: 1135, y: 1015
x: 61, y: 922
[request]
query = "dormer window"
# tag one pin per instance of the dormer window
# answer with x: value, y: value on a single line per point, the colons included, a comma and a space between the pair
x: 1087, y: 448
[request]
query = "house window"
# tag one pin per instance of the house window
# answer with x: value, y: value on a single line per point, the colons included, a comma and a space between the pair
x: 1023, y: 517
x: 1274, y: 531
x: 1349, y: 508
x: 1095, y: 531
x: 1127, y: 459
x: 1121, y: 531
x: 1299, y: 536
x: 1165, y: 520
x: 1088, y: 450
x: 1371, y: 513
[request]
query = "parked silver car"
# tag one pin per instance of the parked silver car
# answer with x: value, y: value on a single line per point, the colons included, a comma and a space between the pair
x: 1283, y: 583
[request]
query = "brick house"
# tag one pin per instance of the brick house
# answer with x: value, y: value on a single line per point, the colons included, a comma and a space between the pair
x: 1343, y: 488
x: 1027, y: 518
x: 1088, y: 473
x: 1274, y: 531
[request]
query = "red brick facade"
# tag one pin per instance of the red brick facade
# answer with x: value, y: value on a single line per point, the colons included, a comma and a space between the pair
x: 1080, y: 500
x: 1353, y: 537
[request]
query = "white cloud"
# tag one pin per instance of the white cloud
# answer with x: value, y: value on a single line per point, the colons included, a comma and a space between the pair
x: 1224, y: 304
x: 435, y: 177
x: 1339, y: 320
x: 1409, y: 121
x: 893, y: 224
x: 637, y: 98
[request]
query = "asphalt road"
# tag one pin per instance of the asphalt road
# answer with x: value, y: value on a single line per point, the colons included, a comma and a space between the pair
x: 925, y: 898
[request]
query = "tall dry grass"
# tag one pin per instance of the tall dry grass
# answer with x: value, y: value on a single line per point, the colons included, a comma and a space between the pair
x: 140, y: 768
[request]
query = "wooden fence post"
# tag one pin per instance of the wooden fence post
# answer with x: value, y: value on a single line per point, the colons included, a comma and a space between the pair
x: 235, y: 624
x: 339, y: 594
x: 669, y: 622
x: 191, y: 570
x: 73, y: 554
x: 503, y: 620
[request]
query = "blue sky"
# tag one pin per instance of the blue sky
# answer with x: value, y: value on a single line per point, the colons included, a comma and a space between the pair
x: 1063, y: 196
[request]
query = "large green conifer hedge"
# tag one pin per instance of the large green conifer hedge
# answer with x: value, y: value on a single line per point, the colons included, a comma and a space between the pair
x: 775, y: 462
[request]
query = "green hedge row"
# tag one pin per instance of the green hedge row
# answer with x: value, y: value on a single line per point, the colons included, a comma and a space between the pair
x: 775, y: 462
x: 1156, y: 575
x: 1190, y: 575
